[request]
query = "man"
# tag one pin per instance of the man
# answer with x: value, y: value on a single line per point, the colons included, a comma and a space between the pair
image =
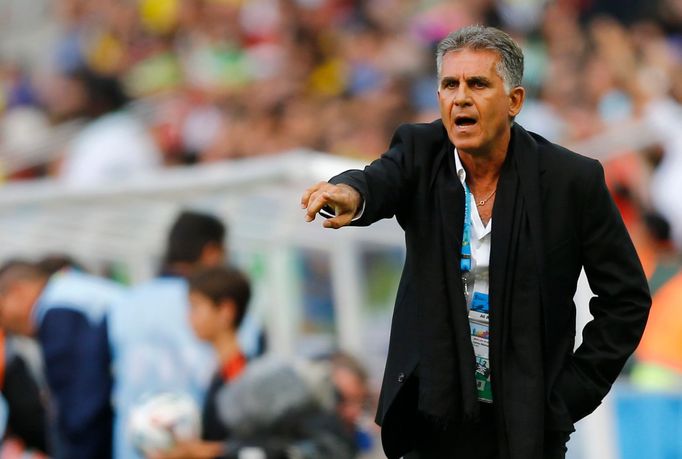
x: 153, y: 347
x: 66, y: 312
x: 114, y: 143
x: 498, y: 224
x: 351, y: 383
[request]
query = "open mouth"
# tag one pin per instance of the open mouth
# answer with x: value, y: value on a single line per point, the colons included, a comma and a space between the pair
x: 463, y: 121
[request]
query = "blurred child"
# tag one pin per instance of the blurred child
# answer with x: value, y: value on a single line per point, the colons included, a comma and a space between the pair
x: 219, y: 298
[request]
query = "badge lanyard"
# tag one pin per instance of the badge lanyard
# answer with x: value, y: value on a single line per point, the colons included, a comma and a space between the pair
x: 478, y: 315
x: 465, y: 260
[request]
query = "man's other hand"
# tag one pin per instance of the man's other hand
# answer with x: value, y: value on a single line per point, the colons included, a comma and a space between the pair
x: 343, y: 199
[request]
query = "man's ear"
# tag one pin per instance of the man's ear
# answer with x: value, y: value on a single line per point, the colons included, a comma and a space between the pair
x: 516, y: 98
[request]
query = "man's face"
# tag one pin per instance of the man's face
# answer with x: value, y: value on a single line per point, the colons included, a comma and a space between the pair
x: 16, y: 306
x: 353, y: 395
x: 475, y: 108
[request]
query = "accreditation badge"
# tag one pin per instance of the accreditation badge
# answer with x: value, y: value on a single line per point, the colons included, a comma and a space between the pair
x: 480, y: 338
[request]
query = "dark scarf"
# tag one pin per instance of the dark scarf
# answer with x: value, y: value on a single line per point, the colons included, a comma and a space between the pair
x: 447, y: 391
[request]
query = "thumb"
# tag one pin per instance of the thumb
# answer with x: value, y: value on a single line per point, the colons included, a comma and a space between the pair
x: 339, y: 221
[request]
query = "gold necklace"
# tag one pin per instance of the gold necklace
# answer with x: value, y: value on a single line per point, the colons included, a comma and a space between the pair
x: 482, y: 202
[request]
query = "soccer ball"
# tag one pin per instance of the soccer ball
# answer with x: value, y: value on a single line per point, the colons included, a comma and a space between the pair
x: 162, y: 420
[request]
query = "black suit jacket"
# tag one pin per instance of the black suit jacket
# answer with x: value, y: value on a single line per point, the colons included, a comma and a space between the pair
x: 574, y: 223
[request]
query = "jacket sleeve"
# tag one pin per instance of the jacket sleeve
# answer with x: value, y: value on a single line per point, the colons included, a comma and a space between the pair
x: 77, y: 366
x: 620, y: 305
x: 383, y: 184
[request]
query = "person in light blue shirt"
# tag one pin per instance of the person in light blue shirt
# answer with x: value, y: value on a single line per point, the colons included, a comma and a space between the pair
x: 153, y: 347
x: 66, y: 312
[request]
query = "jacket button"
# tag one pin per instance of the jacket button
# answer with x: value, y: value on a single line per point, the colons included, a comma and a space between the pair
x: 401, y: 378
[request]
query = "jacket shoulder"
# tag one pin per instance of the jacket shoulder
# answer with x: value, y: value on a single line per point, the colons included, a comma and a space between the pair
x: 420, y: 142
x: 560, y: 160
x: 423, y: 132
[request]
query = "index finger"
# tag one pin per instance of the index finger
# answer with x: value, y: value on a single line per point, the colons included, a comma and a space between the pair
x: 306, y: 194
x: 317, y: 201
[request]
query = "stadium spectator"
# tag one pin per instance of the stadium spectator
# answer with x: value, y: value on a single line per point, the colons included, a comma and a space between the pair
x: 113, y: 145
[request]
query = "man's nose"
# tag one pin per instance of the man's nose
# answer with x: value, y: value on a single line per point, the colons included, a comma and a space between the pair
x: 462, y: 96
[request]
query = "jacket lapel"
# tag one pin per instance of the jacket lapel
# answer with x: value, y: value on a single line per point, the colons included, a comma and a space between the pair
x: 528, y: 167
x: 450, y: 195
x: 503, y: 222
x: 505, y: 233
x: 530, y: 173
x: 516, y: 210
x: 524, y: 165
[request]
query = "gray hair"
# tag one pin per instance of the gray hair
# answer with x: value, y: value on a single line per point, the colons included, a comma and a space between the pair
x: 478, y: 37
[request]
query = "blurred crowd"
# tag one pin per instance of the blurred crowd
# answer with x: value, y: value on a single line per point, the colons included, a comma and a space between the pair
x: 205, y: 80
x: 129, y: 87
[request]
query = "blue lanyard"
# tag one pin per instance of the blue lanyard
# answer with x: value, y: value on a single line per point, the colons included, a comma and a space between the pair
x: 465, y: 260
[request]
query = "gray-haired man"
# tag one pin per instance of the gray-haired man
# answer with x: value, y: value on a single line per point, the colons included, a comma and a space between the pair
x: 481, y: 361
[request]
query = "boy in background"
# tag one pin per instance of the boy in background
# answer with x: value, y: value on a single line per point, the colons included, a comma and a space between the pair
x: 219, y: 298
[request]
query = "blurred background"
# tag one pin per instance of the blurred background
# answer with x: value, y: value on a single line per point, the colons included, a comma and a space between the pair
x: 117, y: 114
